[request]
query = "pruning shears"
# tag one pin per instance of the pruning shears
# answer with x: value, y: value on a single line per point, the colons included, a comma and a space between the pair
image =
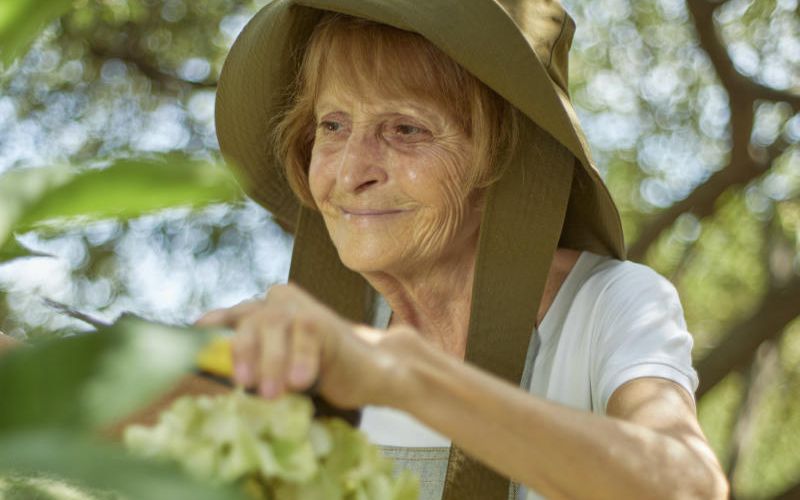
x: 214, y: 362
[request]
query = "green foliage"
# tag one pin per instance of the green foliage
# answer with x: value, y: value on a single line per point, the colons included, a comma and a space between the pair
x: 721, y: 263
x: 717, y: 413
x: 128, y: 188
x: 43, y: 487
x: 13, y: 249
x: 22, y: 20
x: 56, y: 453
x: 772, y: 462
x: 272, y: 446
x: 75, y: 381
x: 56, y: 394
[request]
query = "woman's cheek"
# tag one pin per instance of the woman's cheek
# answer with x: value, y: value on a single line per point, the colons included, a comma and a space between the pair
x: 448, y: 200
x: 320, y: 179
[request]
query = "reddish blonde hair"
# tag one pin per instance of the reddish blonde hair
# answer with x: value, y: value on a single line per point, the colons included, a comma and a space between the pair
x: 397, y: 63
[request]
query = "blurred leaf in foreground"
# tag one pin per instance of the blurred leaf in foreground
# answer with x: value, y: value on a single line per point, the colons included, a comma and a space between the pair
x: 22, y: 20
x: 59, y: 454
x: 13, y: 249
x: 31, y: 198
x: 44, y: 487
x: 91, y: 380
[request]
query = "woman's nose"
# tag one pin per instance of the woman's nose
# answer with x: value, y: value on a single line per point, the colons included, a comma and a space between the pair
x: 362, y: 165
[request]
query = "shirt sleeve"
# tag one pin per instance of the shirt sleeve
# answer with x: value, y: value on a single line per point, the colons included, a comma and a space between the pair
x: 640, y: 331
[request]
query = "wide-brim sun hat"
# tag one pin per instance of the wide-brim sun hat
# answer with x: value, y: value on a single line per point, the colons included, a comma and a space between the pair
x: 550, y: 194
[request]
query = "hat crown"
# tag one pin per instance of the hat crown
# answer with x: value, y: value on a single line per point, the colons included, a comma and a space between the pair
x: 549, y: 30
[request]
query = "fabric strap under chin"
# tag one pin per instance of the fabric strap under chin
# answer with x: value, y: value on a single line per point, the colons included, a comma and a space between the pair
x: 520, y: 231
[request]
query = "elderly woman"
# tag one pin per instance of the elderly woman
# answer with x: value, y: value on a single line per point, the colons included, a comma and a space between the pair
x: 458, y: 268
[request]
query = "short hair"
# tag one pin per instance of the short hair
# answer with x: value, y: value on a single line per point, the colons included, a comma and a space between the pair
x: 398, y: 63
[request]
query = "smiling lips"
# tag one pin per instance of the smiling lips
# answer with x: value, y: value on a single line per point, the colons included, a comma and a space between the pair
x: 366, y: 212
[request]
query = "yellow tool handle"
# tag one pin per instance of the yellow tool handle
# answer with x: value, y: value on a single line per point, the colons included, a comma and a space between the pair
x: 216, y: 358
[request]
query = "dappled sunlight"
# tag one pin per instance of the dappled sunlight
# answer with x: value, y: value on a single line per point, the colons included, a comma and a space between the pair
x: 706, y: 175
x: 170, y: 267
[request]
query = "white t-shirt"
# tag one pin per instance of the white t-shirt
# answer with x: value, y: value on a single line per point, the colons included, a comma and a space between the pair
x: 611, y: 322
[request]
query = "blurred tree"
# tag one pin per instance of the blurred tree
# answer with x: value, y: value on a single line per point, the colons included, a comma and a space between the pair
x: 691, y: 107
x: 693, y: 110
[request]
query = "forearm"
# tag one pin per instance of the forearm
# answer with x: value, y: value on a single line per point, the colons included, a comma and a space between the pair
x: 558, y: 451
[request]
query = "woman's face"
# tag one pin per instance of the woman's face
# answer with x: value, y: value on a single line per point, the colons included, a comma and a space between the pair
x: 389, y: 176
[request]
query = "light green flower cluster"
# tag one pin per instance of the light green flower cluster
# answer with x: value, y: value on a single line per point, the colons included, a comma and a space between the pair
x: 274, y: 448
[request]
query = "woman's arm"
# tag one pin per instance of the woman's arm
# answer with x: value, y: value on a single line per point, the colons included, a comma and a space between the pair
x: 652, y: 447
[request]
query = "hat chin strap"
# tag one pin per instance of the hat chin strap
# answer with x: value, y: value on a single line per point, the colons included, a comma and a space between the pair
x: 525, y: 206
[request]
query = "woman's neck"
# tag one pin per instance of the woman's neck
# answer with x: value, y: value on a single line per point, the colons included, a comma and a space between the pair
x: 435, y: 300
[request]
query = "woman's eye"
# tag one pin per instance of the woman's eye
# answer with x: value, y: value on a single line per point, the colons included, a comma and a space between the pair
x: 330, y: 126
x: 409, y: 133
x: 408, y: 129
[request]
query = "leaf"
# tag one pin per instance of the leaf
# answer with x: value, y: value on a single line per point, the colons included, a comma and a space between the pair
x: 21, y: 21
x: 31, y: 198
x: 91, y: 380
x: 22, y: 189
x: 99, y: 466
x: 13, y: 249
x: 146, y: 359
x: 131, y: 188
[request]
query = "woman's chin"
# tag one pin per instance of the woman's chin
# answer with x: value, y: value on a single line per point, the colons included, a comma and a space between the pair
x: 364, y: 263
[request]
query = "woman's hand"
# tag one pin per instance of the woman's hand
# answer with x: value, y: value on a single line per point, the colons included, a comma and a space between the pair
x: 289, y: 341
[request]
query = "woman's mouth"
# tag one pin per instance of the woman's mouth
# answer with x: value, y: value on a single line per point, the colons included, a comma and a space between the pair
x: 360, y: 216
x: 370, y: 212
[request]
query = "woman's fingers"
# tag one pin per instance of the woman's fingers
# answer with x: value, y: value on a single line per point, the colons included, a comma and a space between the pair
x: 304, y: 353
x: 272, y: 332
x: 228, y: 316
x: 245, y: 349
x: 290, y: 342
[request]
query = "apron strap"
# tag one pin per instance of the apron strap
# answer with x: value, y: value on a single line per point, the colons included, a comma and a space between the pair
x: 520, y: 231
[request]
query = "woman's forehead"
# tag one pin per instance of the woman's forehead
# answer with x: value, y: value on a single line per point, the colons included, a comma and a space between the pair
x: 377, y: 75
x: 368, y: 97
x: 384, y: 64
x: 372, y: 97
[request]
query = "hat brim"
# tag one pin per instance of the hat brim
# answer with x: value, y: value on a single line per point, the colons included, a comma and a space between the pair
x: 487, y: 40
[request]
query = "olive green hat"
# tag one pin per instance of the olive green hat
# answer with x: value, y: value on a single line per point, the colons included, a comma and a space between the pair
x: 550, y: 194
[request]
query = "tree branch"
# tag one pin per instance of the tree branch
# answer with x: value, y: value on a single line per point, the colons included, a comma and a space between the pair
x: 146, y: 68
x: 778, y: 308
x: 743, y: 166
x: 762, y: 92
x: 703, y: 14
x: 741, y: 169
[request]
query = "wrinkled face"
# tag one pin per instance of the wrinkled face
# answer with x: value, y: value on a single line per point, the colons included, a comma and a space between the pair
x: 388, y: 176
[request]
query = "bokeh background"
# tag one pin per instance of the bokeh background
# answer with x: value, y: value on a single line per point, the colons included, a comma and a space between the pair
x: 112, y: 183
